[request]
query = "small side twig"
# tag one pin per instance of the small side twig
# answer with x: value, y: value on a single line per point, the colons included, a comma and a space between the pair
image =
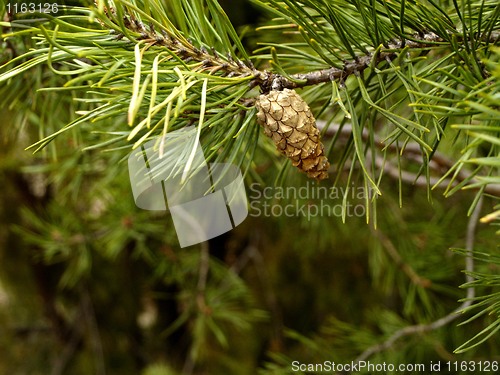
x: 8, y: 18
x: 201, y: 304
x: 93, y: 330
x: 421, y: 328
x: 71, y: 345
x: 396, y: 257
x: 271, y: 300
x: 204, y: 267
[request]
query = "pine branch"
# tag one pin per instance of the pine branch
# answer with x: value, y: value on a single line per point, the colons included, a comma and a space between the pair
x: 186, y: 51
x: 229, y: 67
x: 164, y: 44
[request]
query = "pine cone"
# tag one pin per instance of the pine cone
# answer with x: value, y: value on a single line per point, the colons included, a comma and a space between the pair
x: 288, y: 121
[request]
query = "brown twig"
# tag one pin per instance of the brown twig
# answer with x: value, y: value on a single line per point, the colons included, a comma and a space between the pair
x: 422, y: 328
x: 412, y: 151
x: 361, y: 63
x: 356, y: 66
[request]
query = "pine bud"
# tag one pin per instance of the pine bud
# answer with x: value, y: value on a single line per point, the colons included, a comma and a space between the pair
x: 289, y: 122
